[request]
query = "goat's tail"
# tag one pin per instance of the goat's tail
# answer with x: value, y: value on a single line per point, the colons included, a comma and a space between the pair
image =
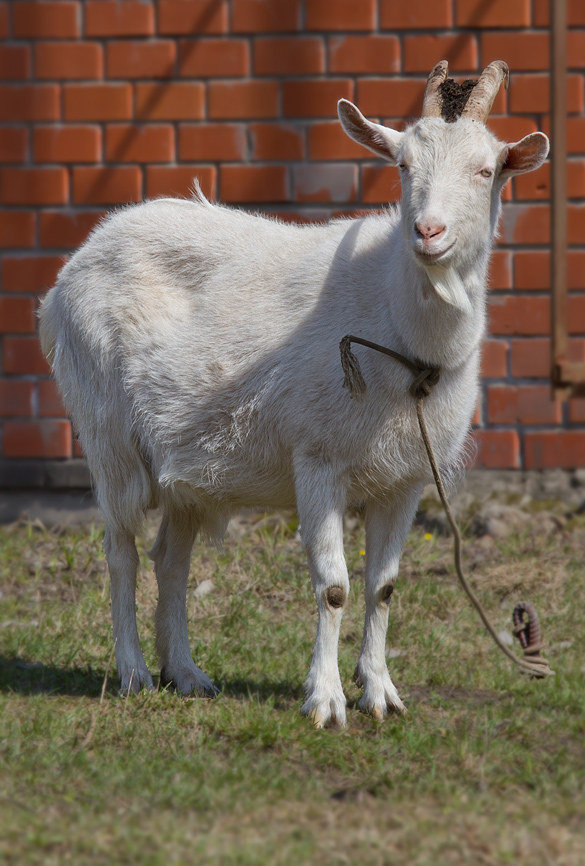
x: 48, y: 326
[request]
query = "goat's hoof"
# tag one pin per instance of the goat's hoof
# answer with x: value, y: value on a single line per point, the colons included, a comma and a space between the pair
x: 328, y: 713
x: 187, y: 682
x: 133, y: 681
x: 379, y: 697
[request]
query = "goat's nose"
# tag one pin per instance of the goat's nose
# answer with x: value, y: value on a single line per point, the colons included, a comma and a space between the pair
x: 429, y: 231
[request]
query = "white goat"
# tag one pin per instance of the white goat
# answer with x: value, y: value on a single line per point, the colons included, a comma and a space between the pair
x: 197, y: 349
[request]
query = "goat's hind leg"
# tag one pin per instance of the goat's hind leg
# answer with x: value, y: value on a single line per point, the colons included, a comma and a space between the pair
x: 122, y: 557
x: 172, y: 556
x: 386, y: 529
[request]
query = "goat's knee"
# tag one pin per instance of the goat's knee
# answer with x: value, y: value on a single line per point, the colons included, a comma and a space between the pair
x: 335, y: 597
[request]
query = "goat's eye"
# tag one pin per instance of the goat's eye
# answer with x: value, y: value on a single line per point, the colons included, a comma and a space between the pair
x: 486, y: 172
x: 402, y: 166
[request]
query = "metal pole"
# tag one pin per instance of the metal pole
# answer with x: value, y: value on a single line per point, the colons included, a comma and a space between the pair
x: 558, y: 97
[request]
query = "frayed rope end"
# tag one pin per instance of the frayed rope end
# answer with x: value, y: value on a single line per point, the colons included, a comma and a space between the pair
x: 354, y: 380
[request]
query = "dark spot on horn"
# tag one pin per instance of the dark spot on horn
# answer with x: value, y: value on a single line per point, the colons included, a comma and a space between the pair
x: 454, y: 98
x: 335, y: 596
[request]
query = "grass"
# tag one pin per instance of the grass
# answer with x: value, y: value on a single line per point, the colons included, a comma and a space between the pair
x: 488, y: 766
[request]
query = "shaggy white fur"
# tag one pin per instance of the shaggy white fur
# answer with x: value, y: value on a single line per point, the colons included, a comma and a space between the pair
x: 197, y: 349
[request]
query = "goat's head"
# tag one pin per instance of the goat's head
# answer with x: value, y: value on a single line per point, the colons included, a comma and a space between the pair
x: 452, y: 168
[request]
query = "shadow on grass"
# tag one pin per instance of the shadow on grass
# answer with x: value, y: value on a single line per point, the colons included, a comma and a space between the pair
x: 261, y: 690
x: 26, y: 677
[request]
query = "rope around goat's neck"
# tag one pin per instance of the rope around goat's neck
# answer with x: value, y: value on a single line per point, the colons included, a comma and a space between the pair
x: 425, y: 379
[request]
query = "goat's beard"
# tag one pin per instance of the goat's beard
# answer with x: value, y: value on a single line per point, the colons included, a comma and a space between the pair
x: 449, y: 286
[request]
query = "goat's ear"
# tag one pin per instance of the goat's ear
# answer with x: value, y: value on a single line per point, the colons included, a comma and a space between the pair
x: 525, y: 155
x: 380, y: 140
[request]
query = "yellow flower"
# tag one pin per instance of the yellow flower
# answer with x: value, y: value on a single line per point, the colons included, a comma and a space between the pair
x: 362, y: 552
x: 428, y: 536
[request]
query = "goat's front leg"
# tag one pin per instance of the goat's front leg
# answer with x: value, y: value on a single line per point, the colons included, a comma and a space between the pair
x: 386, y: 529
x: 320, y: 502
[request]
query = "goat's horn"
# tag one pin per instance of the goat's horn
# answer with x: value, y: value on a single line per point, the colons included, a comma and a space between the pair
x: 432, y: 104
x: 482, y: 96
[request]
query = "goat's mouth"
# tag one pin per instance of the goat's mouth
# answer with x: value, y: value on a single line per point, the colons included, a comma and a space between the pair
x: 429, y: 258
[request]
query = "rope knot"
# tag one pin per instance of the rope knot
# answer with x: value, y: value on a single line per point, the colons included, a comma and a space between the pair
x: 425, y: 382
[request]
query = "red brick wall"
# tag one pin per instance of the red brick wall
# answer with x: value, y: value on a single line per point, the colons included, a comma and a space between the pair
x: 105, y: 102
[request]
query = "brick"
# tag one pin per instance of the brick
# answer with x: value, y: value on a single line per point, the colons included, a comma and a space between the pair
x: 66, y: 230
x: 511, y: 128
x: 179, y: 181
x: 576, y: 269
x: 391, y: 96
x: 525, y: 224
x: 497, y: 13
x: 67, y: 144
x: 536, y: 184
x: 329, y: 141
x: 97, y: 101
x: 529, y: 94
x: 17, y: 229
x: 30, y: 274
x: 522, y: 51
x: 315, y: 98
x: 271, y: 141
x: 500, y: 270
x: 253, y: 183
x: 31, y: 20
x: 204, y: 142
x: 575, y: 224
x: 575, y: 133
x: 196, y: 17
x: 180, y: 100
x: 336, y: 182
x: 406, y: 15
x: 513, y: 315
x: 340, y: 15
x: 494, y: 359
x: 139, y: 143
x: 141, y: 59
x: 289, y: 56
x: 522, y: 404
x: 243, y: 99
x: 576, y: 49
x: 575, y: 13
x: 14, y: 62
x: 530, y: 359
x: 13, y: 143
x: 576, y: 411
x: 34, y: 186
x: 4, y: 21
x: 380, y: 184
x: 16, y: 398
x: 22, y: 356
x: 532, y: 269
x: 37, y: 439
x: 78, y: 449
x: 372, y: 54
x: 112, y: 18
x: 423, y: 51
x: 50, y: 402
x: 76, y: 60
x: 29, y: 102
x: 214, y: 58
x: 558, y: 449
x: 576, y: 314
x: 17, y: 315
x: 265, y: 16
x: 497, y: 449
x: 107, y: 185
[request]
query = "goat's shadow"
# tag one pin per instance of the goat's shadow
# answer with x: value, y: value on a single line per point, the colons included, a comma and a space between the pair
x: 27, y: 677
x: 24, y: 676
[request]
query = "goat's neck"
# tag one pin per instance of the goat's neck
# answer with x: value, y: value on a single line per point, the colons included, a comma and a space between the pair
x: 428, y: 327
